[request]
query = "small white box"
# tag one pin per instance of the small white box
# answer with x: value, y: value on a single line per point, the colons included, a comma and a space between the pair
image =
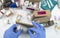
x: 8, y: 13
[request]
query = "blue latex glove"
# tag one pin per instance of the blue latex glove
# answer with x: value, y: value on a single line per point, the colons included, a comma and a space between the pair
x: 48, y: 4
x: 38, y: 32
x: 13, y: 5
x: 12, y: 33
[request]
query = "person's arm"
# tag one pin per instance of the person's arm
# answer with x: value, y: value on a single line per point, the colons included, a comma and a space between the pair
x: 11, y: 32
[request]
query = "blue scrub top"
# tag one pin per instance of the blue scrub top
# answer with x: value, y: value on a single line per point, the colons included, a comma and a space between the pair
x: 48, y: 4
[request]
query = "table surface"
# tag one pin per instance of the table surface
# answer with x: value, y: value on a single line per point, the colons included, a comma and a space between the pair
x: 51, y: 32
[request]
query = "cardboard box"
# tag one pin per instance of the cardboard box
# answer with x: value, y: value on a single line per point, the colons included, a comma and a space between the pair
x: 42, y: 13
x: 42, y: 16
x: 25, y: 24
x: 21, y: 22
x: 42, y: 20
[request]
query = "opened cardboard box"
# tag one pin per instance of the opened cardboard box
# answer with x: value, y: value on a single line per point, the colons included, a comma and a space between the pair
x: 42, y: 16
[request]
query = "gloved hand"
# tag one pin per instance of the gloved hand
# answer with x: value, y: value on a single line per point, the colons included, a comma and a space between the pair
x: 37, y: 32
x: 12, y: 33
x: 13, y: 5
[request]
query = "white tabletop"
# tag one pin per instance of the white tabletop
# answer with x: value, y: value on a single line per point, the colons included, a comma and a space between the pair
x: 50, y: 31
